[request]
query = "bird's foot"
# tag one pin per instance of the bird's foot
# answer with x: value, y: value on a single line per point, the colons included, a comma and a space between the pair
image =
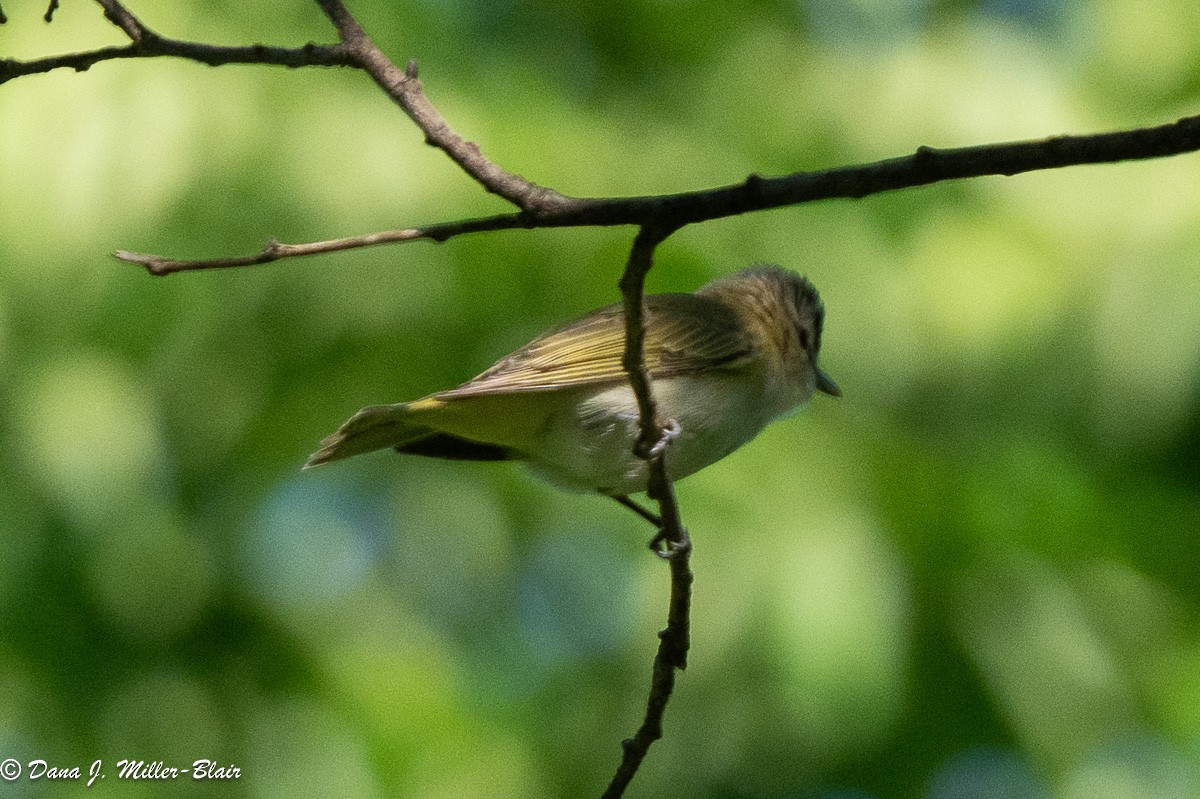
x: 666, y: 548
x: 670, y: 430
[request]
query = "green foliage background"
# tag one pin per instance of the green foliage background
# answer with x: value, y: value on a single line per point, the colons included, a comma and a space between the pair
x: 974, y: 576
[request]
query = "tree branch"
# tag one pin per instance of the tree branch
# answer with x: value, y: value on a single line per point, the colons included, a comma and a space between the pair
x: 544, y: 207
x: 653, y: 445
x: 925, y: 166
x: 274, y: 250
x: 145, y: 43
x: 407, y: 91
x: 310, y: 55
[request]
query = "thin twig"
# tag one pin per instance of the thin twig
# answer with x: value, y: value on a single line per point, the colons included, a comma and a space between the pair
x: 653, y: 444
x: 145, y: 43
x: 310, y: 55
x: 275, y: 250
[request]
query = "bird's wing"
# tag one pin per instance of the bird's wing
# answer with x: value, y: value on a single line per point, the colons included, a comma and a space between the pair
x: 685, y: 334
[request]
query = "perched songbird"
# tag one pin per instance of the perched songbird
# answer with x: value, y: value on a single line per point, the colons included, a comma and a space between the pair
x: 723, y: 362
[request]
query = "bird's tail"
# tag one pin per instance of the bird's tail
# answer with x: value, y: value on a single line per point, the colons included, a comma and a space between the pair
x: 372, y: 428
x: 414, y: 428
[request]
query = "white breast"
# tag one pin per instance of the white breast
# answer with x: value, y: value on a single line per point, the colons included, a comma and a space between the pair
x: 589, y: 442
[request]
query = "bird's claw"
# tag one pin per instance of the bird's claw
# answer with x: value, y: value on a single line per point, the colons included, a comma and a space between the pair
x: 667, y: 548
x: 670, y: 430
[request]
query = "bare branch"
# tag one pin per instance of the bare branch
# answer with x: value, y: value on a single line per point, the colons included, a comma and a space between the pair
x: 926, y: 166
x: 653, y: 445
x: 931, y: 165
x: 406, y: 90
x: 356, y: 49
x: 145, y: 43
x: 543, y: 207
x: 310, y: 55
x: 274, y: 250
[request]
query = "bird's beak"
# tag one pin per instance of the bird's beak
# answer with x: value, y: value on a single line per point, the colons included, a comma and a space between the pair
x: 825, y: 384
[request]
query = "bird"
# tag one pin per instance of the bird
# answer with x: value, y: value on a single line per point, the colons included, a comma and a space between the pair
x: 723, y: 362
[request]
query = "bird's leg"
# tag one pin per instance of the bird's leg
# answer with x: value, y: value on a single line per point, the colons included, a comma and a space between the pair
x: 668, y: 430
x: 655, y: 543
x: 638, y: 509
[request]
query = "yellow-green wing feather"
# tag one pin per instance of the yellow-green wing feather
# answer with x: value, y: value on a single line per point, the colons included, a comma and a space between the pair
x: 685, y: 334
